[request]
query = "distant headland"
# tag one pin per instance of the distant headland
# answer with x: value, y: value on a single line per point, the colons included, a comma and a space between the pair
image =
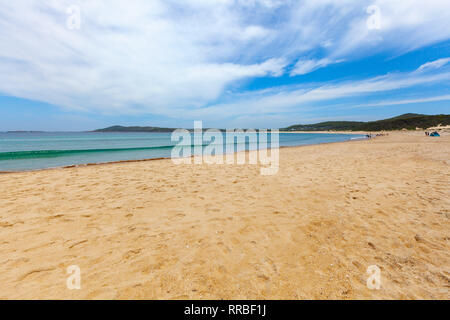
x: 408, y: 121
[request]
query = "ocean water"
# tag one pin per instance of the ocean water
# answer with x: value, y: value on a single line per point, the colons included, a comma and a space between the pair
x: 38, y: 150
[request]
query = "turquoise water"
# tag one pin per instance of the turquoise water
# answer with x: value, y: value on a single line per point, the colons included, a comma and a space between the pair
x: 39, y: 150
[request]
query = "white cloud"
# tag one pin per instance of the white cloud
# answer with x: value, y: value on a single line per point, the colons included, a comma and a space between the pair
x: 133, y: 57
x: 404, y: 25
x: 395, y: 102
x: 307, y: 66
x: 432, y: 65
x: 294, y: 99
x: 174, y: 57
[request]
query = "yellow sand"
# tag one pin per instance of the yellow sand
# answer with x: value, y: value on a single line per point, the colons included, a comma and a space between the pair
x: 156, y: 230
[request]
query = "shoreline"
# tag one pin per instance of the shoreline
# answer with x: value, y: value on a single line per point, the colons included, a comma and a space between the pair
x: 335, y: 132
x: 160, y: 158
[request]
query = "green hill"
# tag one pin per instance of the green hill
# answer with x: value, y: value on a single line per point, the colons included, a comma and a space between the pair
x: 134, y: 129
x: 409, y: 121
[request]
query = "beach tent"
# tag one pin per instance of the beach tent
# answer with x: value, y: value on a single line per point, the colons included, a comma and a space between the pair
x: 434, y: 134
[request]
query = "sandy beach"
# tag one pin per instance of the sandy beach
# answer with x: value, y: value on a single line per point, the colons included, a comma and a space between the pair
x: 156, y: 230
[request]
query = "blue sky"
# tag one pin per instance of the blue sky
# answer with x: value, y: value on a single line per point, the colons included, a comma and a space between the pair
x: 81, y: 65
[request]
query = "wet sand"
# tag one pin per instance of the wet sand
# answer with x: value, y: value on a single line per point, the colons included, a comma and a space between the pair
x: 156, y: 230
